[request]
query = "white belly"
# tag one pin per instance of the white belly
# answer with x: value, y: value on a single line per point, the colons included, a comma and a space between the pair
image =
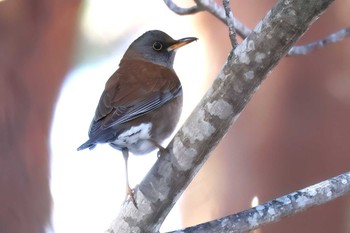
x: 136, y: 139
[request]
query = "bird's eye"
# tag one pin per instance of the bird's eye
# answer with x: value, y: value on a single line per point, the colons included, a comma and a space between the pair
x: 157, y: 46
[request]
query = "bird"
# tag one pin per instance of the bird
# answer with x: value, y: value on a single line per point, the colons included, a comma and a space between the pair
x: 142, y: 100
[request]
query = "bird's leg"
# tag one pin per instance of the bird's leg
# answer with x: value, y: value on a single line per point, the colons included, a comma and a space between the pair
x: 129, y: 191
x: 162, y: 151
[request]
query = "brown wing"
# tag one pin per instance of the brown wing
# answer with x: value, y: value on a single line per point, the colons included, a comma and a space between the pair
x: 129, y: 94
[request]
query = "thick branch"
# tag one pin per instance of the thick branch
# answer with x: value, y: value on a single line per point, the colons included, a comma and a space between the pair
x: 251, y: 61
x: 274, y: 210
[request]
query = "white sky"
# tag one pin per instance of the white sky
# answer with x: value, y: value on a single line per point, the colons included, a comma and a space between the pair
x: 88, y: 187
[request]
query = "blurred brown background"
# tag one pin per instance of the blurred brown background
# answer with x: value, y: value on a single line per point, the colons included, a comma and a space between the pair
x: 292, y: 134
x: 35, y: 49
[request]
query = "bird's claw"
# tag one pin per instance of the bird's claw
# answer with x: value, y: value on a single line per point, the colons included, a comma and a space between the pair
x: 162, y: 152
x: 131, y: 193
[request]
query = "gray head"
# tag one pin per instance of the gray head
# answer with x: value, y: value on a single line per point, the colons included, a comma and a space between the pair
x: 156, y: 47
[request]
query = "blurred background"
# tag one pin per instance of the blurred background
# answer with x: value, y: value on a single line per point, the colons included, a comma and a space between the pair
x: 55, y: 59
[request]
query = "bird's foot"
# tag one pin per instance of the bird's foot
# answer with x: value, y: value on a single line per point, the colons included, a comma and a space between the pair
x: 130, y: 193
x: 162, y: 152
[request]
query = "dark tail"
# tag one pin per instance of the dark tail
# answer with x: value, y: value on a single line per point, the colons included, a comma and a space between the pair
x: 87, y: 144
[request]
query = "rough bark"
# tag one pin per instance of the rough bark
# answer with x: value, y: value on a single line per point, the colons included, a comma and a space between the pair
x: 245, y: 69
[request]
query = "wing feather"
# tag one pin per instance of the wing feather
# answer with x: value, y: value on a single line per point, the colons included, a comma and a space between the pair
x: 129, y: 94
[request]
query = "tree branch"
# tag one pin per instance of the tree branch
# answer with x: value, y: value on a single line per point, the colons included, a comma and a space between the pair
x: 211, y: 7
x: 230, y: 23
x: 251, y: 61
x: 215, y: 9
x: 332, y: 38
x: 274, y: 210
x: 243, y: 31
x: 182, y: 11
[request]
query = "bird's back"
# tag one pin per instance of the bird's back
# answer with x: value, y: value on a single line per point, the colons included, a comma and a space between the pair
x: 130, y: 99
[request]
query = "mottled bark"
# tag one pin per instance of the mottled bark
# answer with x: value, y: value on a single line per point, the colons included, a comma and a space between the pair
x: 275, y: 210
x: 243, y: 72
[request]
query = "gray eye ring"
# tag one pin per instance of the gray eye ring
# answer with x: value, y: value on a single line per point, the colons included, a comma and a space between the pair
x: 157, y: 46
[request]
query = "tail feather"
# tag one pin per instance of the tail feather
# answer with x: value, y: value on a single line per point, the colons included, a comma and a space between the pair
x: 88, y: 144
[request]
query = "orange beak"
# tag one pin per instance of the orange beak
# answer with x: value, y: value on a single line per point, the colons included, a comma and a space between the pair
x: 181, y: 42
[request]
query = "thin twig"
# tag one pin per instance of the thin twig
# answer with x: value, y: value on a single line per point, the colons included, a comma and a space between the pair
x: 333, y: 38
x: 215, y: 9
x: 274, y: 210
x: 230, y: 23
x: 211, y: 7
x: 243, y: 31
x: 180, y: 10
